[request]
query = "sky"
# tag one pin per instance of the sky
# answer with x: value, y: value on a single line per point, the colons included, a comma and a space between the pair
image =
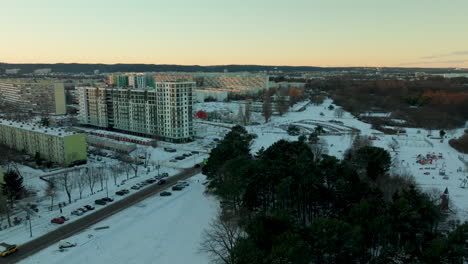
x: 328, y: 33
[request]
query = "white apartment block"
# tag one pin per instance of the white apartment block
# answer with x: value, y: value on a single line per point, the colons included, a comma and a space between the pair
x: 164, y: 112
x: 36, y: 95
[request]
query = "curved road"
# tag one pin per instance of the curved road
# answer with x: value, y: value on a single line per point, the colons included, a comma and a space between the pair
x: 88, y: 220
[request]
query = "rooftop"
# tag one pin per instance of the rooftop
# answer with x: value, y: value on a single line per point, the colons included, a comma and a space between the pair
x: 56, y: 132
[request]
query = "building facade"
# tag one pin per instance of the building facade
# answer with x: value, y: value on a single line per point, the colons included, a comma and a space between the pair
x: 50, y: 144
x: 164, y: 112
x: 44, y: 96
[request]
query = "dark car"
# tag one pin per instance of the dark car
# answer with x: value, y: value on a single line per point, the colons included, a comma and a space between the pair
x: 197, y: 165
x: 187, y: 155
x: 107, y: 199
x: 120, y: 193
x: 165, y: 174
x: 150, y: 180
x: 195, y: 152
x: 179, y: 157
x: 125, y: 191
x: 165, y: 194
x: 177, y: 188
x: 100, y: 202
x: 89, y: 207
x: 161, y: 182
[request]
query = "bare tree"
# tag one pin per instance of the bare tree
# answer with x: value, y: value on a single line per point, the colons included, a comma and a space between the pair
x: 101, y: 176
x: 90, y: 178
x: 394, y: 145
x: 319, y: 149
x: 80, y: 182
x: 132, y: 163
x: 4, y: 208
x: 115, y: 172
x: 220, y: 240
x: 266, y: 108
x: 281, y: 105
x: 240, y: 115
x: 66, y: 182
x: 247, y: 111
x: 51, y: 192
x: 339, y: 112
x: 127, y: 168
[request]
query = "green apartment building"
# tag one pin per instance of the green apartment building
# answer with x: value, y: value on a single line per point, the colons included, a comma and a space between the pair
x: 64, y: 148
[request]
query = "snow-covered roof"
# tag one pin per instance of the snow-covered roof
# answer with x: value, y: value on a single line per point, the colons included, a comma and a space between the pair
x: 57, y: 132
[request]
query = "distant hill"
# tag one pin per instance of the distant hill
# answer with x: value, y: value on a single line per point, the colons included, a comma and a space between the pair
x: 89, y: 68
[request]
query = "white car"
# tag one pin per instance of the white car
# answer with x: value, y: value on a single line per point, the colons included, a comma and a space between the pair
x: 65, y: 244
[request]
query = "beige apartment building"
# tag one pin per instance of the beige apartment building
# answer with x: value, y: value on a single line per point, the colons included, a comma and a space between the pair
x: 164, y: 111
x: 56, y: 145
x: 35, y: 95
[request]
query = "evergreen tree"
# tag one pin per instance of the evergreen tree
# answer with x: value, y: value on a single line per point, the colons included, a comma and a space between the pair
x: 12, y: 187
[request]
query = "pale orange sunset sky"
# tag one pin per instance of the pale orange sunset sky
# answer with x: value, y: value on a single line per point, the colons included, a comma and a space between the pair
x: 416, y: 33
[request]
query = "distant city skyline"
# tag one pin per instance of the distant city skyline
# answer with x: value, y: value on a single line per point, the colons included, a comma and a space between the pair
x: 399, y: 33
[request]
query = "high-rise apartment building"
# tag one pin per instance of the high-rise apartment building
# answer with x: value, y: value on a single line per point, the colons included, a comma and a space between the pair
x: 235, y: 82
x: 34, y: 95
x: 164, y: 111
x: 51, y: 144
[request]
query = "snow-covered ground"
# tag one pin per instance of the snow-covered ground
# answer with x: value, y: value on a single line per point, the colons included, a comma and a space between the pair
x: 157, y: 230
x: 163, y: 222
x: 411, y: 144
x: 41, y: 221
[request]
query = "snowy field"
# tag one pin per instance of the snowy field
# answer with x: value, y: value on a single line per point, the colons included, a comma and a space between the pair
x: 157, y: 230
x: 339, y: 138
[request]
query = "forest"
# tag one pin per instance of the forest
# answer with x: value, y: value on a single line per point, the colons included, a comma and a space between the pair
x: 283, y: 205
x: 432, y: 103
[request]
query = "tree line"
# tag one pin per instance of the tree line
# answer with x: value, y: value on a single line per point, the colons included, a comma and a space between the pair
x: 284, y: 205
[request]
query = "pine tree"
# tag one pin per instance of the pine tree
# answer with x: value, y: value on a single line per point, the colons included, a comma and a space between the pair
x: 13, y: 186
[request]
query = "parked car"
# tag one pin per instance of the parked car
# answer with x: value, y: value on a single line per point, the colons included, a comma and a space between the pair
x: 161, y: 182
x: 179, y: 157
x: 77, y: 212
x: 100, y: 202
x: 165, y: 174
x: 427, y: 173
x: 169, y: 150
x: 197, y: 165
x: 89, y: 207
x: 107, y: 199
x: 135, y: 187
x: 65, y: 244
x: 82, y: 209
x: 150, y: 181
x: 125, y: 191
x: 183, y: 183
x: 165, y: 194
x: 120, y: 193
x: 187, y: 155
x: 58, y: 220
x: 6, y: 249
x: 177, y: 188
x: 195, y: 152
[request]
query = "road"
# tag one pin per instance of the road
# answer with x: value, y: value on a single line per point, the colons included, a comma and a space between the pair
x: 88, y: 220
